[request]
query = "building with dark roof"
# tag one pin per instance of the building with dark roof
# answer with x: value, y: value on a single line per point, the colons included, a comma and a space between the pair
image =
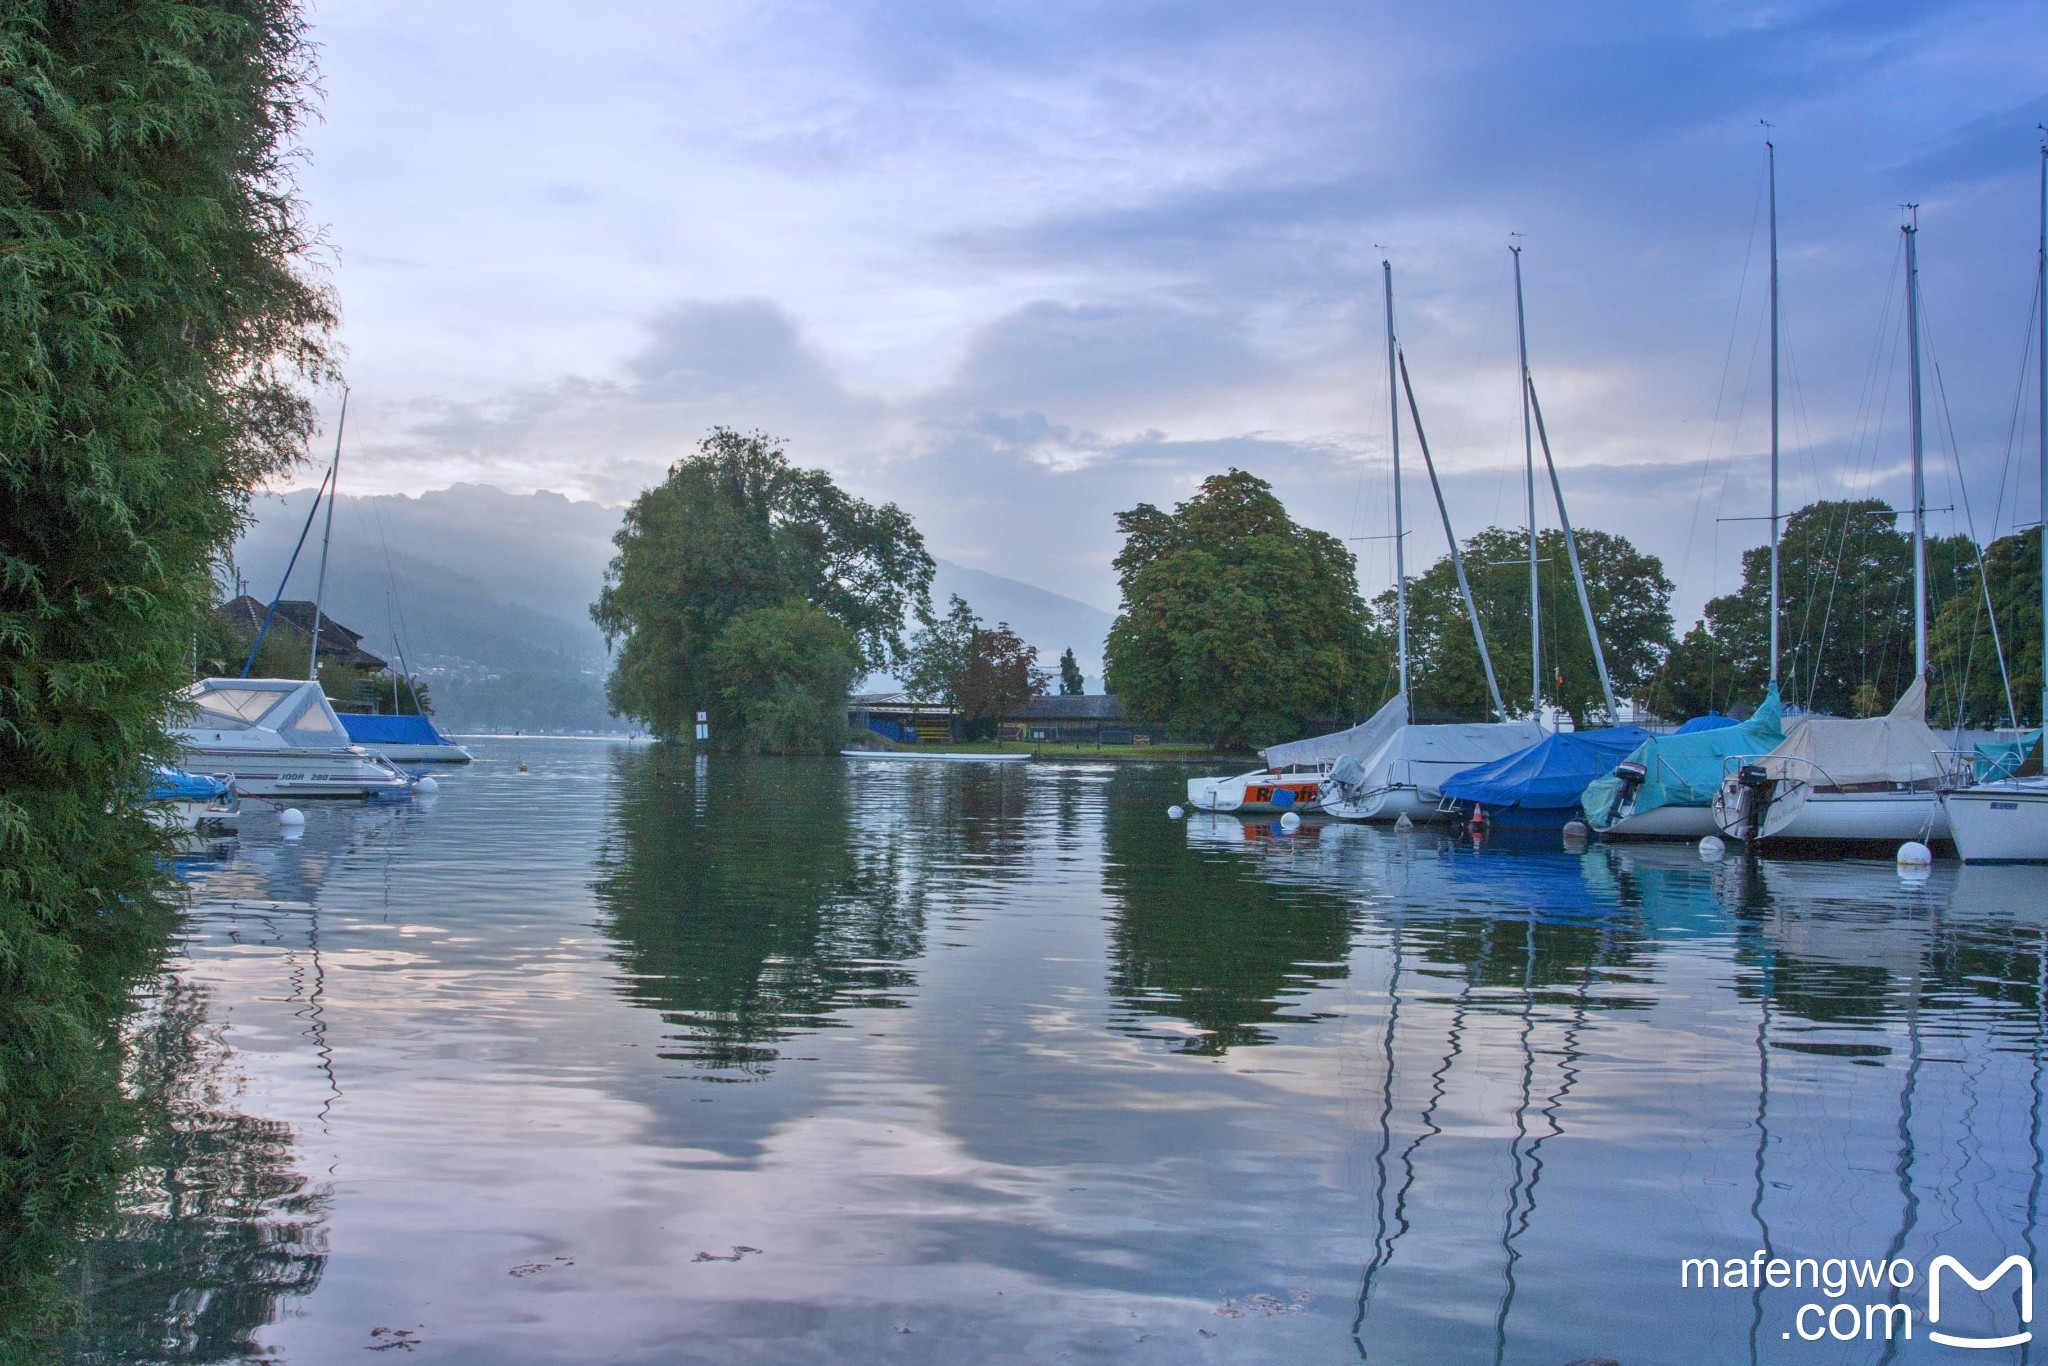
x: 338, y: 645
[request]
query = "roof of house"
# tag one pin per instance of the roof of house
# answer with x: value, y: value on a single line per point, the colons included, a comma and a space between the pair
x: 895, y: 701
x: 1087, y: 707
x: 245, y: 614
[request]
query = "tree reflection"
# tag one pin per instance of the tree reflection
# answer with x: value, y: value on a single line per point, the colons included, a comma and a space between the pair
x: 1201, y: 935
x: 215, y: 1229
x: 743, y: 908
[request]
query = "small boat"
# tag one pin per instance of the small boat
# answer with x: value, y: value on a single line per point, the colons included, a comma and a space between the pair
x: 2002, y: 821
x: 278, y: 737
x: 1538, y: 788
x: 1262, y: 789
x: 403, y: 739
x: 935, y: 756
x: 1296, y: 771
x: 1407, y: 775
x: 183, y: 801
x: 1664, y: 789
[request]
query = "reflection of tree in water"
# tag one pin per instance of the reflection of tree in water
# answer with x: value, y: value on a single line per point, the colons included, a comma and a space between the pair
x: 1200, y: 936
x: 742, y: 910
x: 214, y: 1230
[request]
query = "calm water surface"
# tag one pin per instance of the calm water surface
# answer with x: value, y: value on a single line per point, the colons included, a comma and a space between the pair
x: 628, y: 1059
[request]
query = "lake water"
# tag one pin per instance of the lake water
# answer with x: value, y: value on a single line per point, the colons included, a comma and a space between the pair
x: 623, y: 1058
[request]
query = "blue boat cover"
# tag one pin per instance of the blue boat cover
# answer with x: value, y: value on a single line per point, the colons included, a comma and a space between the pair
x: 1686, y: 770
x: 1553, y: 772
x: 1713, y: 720
x: 167, y: 784
x: 2003, y: 758
x: 364, y: 729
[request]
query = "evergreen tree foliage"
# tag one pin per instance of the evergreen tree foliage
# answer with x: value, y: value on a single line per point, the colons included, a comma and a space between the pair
x: 1846, y: 589
x: 736, y: 529
x: 156, y: 321
x: 1072, y: 684
x: 1631, y: 600
x: 1238, y: 625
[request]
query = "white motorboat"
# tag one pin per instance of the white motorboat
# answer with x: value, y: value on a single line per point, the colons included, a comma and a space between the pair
x: 278, y: 737
x: 2000, y: 822
x: 1838, y: 780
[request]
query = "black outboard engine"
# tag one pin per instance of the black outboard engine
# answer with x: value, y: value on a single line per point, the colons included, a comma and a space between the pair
x: 1631, y: 775
x: 1758, y: 790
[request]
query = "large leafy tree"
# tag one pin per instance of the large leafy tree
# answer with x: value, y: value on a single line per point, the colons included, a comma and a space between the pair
x: 782, y: 675
x: 1846, y: 623
x: 156, y: 322
x: 1962, y: 644
x: 1237, y: 624
x: 1631, y: 599
x: 736, y: 529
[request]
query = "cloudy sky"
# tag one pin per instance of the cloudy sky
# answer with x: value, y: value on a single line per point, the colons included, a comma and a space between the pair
x: 1016, y: 266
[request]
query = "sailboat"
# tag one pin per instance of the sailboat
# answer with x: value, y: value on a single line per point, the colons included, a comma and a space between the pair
x: 1665, y: 788
x: 2005, y: 820
x: 1389, y: 768
x: 1876, y: 779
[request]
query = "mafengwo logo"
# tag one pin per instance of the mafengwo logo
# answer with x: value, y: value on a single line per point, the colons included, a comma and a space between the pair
x: 1880, y: 1313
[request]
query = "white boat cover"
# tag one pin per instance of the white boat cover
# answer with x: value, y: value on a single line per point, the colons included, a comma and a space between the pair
x: 295, y: 709
x: 1838, y: 752
x: 1360, y: 742
x: 1426, y: 755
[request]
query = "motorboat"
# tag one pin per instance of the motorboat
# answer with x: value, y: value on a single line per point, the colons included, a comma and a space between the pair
x: 1664, y: 789
x: 279, y: 737
x: 1295, y: 771
x: 403, y: 739
x: 188, y: 802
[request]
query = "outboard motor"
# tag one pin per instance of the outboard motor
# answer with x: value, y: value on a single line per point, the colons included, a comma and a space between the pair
x: 1343, y: 779
x: 1631, y: 775
x: 1758, y: 790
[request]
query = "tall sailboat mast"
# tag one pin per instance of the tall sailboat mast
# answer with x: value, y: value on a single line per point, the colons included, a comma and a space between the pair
x: 1912, y: 231
x: 1529, y: 467
x: 1400, y: 530
x: 326, y: 539
x: 1772, y: 153
x: 2041, y: 393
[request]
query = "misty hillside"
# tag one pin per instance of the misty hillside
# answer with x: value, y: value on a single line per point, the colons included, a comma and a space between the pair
x: 490, y: 592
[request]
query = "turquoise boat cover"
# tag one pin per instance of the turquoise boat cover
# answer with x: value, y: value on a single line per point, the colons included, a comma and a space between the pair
x: 1549, y: 774
x: 364, y: 729
x: 1713, y: 720
x: 1687, y: 769
x: 1995, y: 759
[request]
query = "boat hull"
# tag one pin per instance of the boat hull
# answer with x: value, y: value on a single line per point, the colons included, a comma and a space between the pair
x: 1804, y: 815
x: 1517, y: 817
x: 310, y: 773
x: 1664, y: 823
x: 2002, y: 822
x: 422, y: 754
x: 1389, y: 804
x: 1253, y: 793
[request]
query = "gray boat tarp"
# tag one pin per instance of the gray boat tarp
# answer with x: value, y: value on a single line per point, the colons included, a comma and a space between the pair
x: 1844, y: 752
x: 1360, y: 742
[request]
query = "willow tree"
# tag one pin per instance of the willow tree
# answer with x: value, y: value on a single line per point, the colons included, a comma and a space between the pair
x: 734, y: 530
x: 156, y: 323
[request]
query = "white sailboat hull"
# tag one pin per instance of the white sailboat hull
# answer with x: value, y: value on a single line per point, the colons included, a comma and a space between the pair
x: 298, y: 771
x: 1389, y: 804
x: 2001, y: 822
x: 1254, y: 792
x: 1856, y: 817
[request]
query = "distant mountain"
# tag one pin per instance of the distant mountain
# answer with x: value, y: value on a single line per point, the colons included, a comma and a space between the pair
x: 490, y: 594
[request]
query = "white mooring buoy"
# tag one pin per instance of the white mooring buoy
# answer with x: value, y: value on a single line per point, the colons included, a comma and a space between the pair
x: 291, y: 815
x: 427, y: 786
x: 1713, y: 847
x: 1914, y: 854
x: 1174, y: 813
x: 1403, y: 824
x: 1290, y: 822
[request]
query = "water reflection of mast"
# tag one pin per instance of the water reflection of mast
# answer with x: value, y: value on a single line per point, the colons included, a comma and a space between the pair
x: 1909, y: 1212
x: 1382, y: 1243
x: 1766, y: 986
x: 1439, y: 1078
x: 1515, y: 1155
